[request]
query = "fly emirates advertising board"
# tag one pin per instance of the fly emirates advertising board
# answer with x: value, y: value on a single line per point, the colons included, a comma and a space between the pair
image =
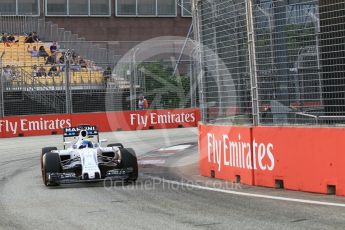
x: 308, y: 159
x: 105, y: 122
x: 229, y: 152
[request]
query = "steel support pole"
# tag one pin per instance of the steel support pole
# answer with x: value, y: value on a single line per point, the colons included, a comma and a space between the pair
x: 252, y: 62
x: 131, y: 89
x: 183, y: 48
x: 200, y: 59
x: 2, y: 103
x: 68, y: 57
x: 133, y: 80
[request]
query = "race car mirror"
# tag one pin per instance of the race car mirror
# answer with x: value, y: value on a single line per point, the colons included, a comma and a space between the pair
x: 67, y: 143
x: 103, y: 141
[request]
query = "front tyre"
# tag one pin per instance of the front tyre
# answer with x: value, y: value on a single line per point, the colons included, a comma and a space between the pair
x: 46, y: 150
x: 129, y: 160
x: 50, y: 164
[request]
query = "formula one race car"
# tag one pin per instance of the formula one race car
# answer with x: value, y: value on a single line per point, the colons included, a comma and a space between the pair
x: 84, y: 160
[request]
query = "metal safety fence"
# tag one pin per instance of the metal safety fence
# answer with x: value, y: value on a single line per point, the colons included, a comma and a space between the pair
x: 115, y: 76
x: 272, y: 62
x: 119, y: 89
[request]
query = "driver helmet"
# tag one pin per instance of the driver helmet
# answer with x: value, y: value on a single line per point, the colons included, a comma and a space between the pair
x: 86, y: 144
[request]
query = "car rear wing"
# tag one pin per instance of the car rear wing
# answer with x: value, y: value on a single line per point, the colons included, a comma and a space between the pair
x: 74, y: 131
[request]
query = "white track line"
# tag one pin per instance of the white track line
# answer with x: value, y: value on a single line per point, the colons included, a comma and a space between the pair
x: 250, y: 194
x: 175, y: 148
x: 151, y: 162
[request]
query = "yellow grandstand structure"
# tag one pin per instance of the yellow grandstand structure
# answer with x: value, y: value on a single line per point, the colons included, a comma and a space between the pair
x: 17, y: 55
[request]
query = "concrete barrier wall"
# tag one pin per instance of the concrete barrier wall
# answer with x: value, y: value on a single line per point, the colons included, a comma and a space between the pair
x: 303, y: 159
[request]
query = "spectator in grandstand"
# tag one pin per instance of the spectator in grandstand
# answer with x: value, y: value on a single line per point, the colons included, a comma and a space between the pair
x: 107, y: 75
x: 62, y: 59
x: 35, y: 37
x: 75, y: 67
x: 15, y: 72
x: 142, y: 103
x: 107, y: 72
x: 61, y: 62
x: 42, y: 52
x: 29, y: 39
x: 93, y: 67
x: 41, y: 71
x: 89, y: 65
x: 34, y: 52
x: 53, y: 71
x: 82, y: 63
x: 51, y: 59
x: 74, y: 64
x: 4, y: 39
x: 74, y: 56
x: 53, y: 47
x: 75, y: 60
x: 35, y: 71
x: 7, y: 73
x: 11, y: 38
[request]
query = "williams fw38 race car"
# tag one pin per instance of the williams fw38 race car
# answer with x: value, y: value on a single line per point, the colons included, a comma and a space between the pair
x: 85, y: 160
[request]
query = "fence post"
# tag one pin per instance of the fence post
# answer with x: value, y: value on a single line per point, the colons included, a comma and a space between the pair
x: 199, y: 59
x: 252, y: 62
x: 132, y: 88
x: 133, y: 80
x: 193, y: 81
x: 68, y: 57
x: 2, y: 103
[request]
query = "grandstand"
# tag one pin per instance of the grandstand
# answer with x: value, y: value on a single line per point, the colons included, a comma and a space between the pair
x: 16, y: 54
x: 45, y: 94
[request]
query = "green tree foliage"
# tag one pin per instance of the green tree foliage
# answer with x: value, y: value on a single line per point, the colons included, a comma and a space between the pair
x: 162, y: 90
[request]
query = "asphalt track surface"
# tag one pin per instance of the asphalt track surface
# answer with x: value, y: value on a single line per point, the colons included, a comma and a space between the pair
x: 150, y: 203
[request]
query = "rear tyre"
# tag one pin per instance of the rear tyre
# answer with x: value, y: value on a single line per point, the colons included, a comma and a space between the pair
x: 129, y: 160
x: 51, y: 164
x: 116, y: 145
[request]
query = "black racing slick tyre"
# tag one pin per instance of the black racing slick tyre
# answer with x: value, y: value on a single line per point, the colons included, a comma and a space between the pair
x: 51, y: 164
x: 44, y: 151
x: 116, y: 145
x: 129, y: 160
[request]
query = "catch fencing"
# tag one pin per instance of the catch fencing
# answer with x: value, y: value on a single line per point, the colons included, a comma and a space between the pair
x: 117, y: 73
x: 270, y: 62
x: 22, y: 93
